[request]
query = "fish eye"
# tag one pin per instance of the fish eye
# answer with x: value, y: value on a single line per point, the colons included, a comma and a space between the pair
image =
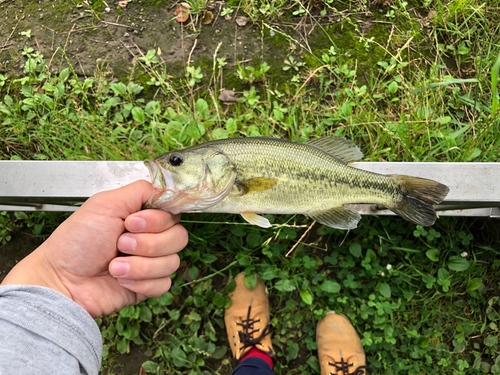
x: 175, y: 160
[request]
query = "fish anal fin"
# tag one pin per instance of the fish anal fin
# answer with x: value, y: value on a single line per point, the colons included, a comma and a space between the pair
x: 337, y: 217
x: 256, y: 185
x: 340, y: 147
x: 255, y: 219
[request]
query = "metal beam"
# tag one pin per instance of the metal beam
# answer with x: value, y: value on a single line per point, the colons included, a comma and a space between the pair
x: 55, y: 185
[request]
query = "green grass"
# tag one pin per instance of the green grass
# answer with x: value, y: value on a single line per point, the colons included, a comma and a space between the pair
x: 425, y: 301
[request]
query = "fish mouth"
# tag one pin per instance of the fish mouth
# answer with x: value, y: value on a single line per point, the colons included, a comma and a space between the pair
x: 163, y: 184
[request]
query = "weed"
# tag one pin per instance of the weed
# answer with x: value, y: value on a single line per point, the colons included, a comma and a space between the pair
x: 424, y: 300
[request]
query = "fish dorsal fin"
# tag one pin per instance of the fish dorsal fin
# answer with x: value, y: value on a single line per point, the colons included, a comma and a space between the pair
x: 255, y: 185
x: 255, y: 219
x: 340, y: 147
x: 338, y: 217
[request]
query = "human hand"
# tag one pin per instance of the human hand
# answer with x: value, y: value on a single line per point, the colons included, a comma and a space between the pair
x: 81, y: 258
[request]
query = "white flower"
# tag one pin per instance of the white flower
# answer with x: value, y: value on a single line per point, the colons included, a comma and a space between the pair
x: 464, y: 254
x: 381, y: 273
x: 389, y: 266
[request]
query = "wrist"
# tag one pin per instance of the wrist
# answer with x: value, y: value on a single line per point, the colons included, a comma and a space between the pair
x: 35, y: 270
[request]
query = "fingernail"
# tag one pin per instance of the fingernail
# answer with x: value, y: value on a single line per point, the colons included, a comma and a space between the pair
x: 125, y: 281
x: 126, y: 243
x: 137, y: 224
x: 119, y: 269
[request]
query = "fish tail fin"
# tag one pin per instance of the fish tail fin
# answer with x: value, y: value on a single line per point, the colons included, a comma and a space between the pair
x: 418, y: 196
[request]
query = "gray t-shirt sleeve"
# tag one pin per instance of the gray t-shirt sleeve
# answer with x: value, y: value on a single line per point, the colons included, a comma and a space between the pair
x: 44, y: 332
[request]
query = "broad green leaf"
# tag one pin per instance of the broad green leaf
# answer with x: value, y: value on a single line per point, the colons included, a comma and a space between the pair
x: 202, y: 109
x: 355, y: 249
x: 231, y: 125
x: 306, y: 297
x: 64, y: 74
x: 458, y: 264
x: 285, y: 286
x: 174, y: 314
x: 193, y: 272
x: 218, y: 299
x: 145, y: 314
x: 219, y: 133
x: 244, y: 260
x: 253, y: 239
x: 491, y: 341
x: 122, y: 346
x: 330, y: 286
x: 474, y: 284
x: 393, y: 87
x: 118, y: 88
x: 219, y: 352
x: 384, y: 289
x: 138, y: 115
x: 474, y: 154
x: 193, y: 315
x: 208, y: 258
x: 251, y: 280
x: 179, y: 357
x: 444, y: 120
x: 150, y: 366
x: 127, y: 311
x: 432, y: 254
x: 166, y: 299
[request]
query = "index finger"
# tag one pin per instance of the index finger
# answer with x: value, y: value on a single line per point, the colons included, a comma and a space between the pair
x: 151, y: 221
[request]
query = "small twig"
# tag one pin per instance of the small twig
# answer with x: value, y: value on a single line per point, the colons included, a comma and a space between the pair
x: 192, y: 49
x: 300, y: 239
x: 5, y: 46
x: 118, y: 24
x: 52, y: 57
x: 67, y: 38
x: 81, y: 67
x: 53, y: 35
x: 13, y: 30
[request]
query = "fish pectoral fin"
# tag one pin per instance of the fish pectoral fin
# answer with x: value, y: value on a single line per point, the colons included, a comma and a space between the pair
x: 337, y: 217
x: 255, y: 185
x: 255, y: 219
x: 339, y: 147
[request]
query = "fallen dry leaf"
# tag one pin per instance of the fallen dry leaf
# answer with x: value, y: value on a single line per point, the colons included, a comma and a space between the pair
x: 227, y: 96
x: 182, y: 14
x: 241, y: 21
x: 208, y: 17
x: 185, y: 5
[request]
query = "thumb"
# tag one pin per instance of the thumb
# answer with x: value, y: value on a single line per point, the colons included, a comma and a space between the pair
x: 123, y: 201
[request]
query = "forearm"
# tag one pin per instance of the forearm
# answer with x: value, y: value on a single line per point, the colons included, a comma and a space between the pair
x: 44, y: 332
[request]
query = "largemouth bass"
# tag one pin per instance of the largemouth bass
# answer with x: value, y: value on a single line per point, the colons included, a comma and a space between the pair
x: 251, y: 176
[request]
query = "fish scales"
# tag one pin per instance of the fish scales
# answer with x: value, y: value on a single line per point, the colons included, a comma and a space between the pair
x: 260, y: 175
x: 308, y: 178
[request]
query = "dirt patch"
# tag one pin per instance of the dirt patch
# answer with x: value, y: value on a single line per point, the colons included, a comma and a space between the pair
x: 64, y: 31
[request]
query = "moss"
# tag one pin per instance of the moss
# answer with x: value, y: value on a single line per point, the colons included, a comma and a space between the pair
x: 351, y: 49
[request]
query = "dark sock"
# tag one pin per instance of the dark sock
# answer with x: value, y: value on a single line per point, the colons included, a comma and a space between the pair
x: 254, y: 352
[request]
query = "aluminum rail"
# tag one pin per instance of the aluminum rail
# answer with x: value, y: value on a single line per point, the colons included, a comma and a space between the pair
x: 60, y: 185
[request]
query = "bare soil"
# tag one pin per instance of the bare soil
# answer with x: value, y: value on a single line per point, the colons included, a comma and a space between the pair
x: 64, y: 31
